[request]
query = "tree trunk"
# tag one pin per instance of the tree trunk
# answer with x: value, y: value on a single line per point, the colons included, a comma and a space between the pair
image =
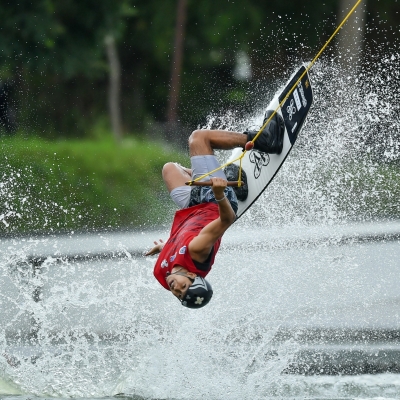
x: 172, y: 112
x: 114, y: 89
x: 351, y: 36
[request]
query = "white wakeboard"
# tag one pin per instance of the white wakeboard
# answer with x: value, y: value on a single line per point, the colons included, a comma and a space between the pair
x: 261, y: 168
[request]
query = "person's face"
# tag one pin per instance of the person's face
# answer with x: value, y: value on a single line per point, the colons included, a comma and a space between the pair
x: 178, y: 284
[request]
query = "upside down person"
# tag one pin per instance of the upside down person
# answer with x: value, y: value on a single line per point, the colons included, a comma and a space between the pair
x: 205, y: 213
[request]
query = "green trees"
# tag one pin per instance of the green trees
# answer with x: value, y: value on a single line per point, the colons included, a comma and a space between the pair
x: 55, y: 53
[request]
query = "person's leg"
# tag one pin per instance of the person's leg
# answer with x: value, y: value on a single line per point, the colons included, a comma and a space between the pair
x: 203, y: 142
x: 204, y: 164
x: 175, y: 175
x: 201, y: 146
x: 270, y: 140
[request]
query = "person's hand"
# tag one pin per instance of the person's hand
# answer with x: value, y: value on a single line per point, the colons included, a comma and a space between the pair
x: 218, y: 187
x: 156, y: 249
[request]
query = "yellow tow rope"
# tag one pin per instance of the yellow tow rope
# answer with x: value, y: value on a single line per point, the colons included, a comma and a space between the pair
x: 283, y: 100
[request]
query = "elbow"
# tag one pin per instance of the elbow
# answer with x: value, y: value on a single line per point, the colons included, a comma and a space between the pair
x: 232, y: 218
x: 228, y: 220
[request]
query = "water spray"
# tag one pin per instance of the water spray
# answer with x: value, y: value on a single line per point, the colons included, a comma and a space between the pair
x: 250, y: 145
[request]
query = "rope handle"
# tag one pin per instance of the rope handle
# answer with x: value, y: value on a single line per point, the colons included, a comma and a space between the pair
x: 210, y: 183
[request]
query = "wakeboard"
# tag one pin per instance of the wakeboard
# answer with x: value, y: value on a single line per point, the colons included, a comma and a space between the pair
x: 261, y: 168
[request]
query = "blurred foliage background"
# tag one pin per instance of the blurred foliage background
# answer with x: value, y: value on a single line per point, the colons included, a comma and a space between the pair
x: 55, y: 72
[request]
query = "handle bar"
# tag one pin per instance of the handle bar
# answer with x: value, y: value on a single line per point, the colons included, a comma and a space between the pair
x: 209, y: 183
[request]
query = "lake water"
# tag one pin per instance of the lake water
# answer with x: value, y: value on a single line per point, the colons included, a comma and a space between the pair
x: 287, y: 300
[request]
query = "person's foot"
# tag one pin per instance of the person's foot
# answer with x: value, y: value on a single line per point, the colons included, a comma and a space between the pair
x: 232, y: 174
x: 271, y: 138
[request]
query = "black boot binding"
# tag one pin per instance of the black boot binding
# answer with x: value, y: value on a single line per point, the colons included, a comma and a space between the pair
x: 232, y: 174
x: 271, y: 138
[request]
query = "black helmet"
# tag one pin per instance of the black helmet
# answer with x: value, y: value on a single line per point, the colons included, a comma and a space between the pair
x: 198, y: 294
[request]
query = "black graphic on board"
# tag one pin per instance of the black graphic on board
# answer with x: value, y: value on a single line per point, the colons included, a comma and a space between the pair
x: 260, y: 160
x: 296, y: 106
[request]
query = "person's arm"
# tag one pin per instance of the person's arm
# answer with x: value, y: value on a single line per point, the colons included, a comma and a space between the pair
x: 156, y: 249
x: 200, y: 247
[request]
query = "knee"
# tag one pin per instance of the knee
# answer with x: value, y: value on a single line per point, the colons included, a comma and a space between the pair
x: 167, y: 169
x: 199, y: 136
